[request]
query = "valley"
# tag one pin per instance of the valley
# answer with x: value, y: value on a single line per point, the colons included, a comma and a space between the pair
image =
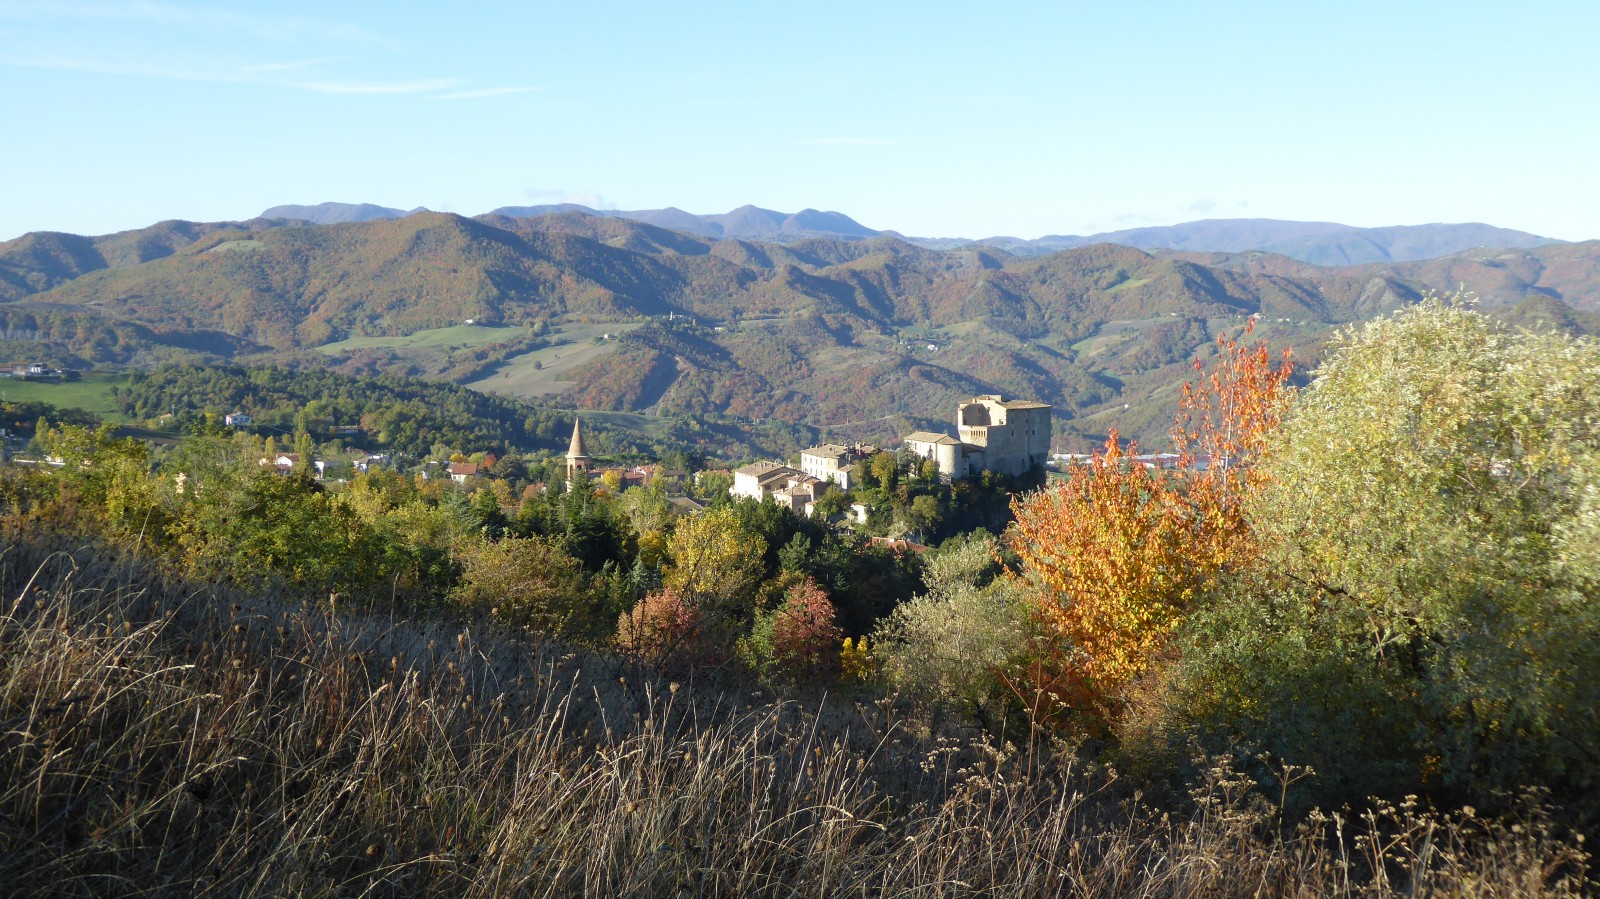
x: 853, y: 338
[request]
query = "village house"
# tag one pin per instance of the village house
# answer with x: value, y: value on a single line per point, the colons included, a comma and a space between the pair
x: 1011, y: 437
x: 835, y: 462
x: 366, y: 460
x: 23, y: 371
x: 238, y: 420
x: 650, y: 474
x: 461, y: 471
x: 282, y: 463
x: 759, y: 480
x: 788, y: 487
x: 684, y: 505
x: 1151, y: 461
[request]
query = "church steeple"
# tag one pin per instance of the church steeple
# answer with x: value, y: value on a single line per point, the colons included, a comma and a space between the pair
x: 577, y: 456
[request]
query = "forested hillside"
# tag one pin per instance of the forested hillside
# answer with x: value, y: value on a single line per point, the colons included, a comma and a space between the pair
x: 407, y: 416
x: 839, y: 335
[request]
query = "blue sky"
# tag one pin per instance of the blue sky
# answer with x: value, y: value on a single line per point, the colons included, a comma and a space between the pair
x: 934, y: 119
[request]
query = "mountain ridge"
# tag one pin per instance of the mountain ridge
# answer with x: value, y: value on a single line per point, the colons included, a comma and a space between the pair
x: 816, y: 331
x: 1320, y: 243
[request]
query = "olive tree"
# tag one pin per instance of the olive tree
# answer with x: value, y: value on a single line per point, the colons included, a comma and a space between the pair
x: 1424, y: 613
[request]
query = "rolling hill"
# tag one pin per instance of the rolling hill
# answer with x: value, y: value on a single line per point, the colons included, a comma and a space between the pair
x: 860, y: 337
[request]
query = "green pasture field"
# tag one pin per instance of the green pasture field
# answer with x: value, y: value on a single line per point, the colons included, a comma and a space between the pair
x: 455, y: 337
x: 95, y: 393
x: 539, y: 372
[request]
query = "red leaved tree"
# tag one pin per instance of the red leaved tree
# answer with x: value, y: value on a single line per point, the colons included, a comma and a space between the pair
x: 663, y: 629
x: 805, y: 639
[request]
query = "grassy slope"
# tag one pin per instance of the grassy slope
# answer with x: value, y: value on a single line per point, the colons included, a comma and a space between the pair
x: 547, y: 370
x: 180, y: 739
x: 95, y: 393
x: 454, y: 337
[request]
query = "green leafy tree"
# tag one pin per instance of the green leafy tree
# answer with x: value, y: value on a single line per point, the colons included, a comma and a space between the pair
x: 532, y: 583
x: 265, y: 526
x: 884, y: 468
x: 1425, y: 581
x: 952, y: 646
x: 106, y: 479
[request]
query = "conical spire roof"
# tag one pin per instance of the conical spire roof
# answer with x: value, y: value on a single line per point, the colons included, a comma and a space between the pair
x: 576, y: 450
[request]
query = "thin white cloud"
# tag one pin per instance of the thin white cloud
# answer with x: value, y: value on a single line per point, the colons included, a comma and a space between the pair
x: 484, y: 92
x: 168, y: 14
x: 375, y: 87
x: 848, y: 142
x: 290, y: 65
x: 103, y: 67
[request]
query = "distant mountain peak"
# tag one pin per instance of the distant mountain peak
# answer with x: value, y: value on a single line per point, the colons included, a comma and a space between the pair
x: 747, y: 222
x: 337, y: 213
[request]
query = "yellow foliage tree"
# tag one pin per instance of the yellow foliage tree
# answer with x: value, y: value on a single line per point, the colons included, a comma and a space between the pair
x: 713, y: 558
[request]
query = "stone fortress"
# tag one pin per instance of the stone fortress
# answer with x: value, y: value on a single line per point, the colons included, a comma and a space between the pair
x: 1007, y: 436
x: 995, y: 434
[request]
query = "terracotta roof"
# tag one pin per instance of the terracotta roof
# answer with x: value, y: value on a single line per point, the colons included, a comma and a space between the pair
x: 898, y: 544
x: 464, y: 468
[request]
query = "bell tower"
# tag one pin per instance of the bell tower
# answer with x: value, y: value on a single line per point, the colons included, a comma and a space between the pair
x: 577, y: 456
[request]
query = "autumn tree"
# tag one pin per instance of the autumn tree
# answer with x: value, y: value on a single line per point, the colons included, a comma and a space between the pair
x: 798, y: 638
x: 1108, y: 561
x: 664, y: 630
x: 713, y: 557
x: 1114, y: 556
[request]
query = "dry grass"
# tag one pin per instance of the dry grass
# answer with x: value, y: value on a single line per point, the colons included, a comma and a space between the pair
x: 159, y: 739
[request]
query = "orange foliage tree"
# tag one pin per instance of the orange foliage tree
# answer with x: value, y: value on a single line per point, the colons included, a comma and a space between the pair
x: 1114, y: 556
x: 1224, y: 420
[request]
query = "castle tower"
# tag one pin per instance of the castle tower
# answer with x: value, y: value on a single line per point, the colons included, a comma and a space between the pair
x: 577, y: 456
